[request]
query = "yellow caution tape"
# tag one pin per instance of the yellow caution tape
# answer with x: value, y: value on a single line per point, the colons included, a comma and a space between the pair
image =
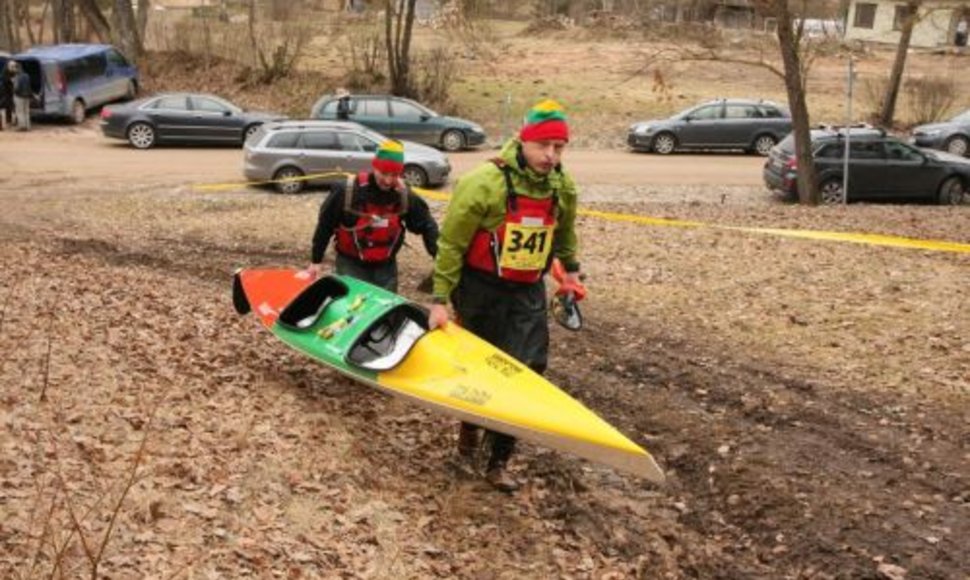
x: 849, y: 237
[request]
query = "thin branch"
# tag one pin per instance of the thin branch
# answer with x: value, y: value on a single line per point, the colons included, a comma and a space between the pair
x: 47, y: 358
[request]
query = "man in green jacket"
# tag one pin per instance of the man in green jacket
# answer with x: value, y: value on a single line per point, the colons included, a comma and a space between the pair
x: 506, y: 221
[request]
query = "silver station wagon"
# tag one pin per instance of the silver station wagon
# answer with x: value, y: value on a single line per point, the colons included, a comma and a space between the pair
x: 295, y: 154
x: 751, y: 125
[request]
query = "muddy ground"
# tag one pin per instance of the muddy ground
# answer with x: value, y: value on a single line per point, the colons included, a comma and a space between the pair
x: 808, y: 400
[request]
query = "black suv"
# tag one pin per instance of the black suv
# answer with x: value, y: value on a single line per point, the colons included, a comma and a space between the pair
x: 881, y: 168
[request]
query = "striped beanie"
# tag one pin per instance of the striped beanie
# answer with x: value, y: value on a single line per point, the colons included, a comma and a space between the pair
x: 545, y: 121
x: 390, y: 157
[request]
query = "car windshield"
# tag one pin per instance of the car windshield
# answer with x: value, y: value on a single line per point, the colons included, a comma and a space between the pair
x: 963, y: 117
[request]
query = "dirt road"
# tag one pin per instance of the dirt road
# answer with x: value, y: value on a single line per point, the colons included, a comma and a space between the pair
x: 808, y: 400
x: 82, y: 153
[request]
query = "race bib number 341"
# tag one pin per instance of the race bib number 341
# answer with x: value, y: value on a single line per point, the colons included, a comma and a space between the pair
x: 526, y: 247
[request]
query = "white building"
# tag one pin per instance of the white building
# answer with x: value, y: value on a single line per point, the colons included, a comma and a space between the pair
x: 882, y: 20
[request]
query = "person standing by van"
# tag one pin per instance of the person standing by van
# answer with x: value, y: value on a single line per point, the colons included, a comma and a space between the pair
x: 6, y: 95
x: 21, y: 97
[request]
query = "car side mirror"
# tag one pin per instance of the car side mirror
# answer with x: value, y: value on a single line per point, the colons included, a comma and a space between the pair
x: 227, y: 113
x: 425, y: 117
x: 688, y: 118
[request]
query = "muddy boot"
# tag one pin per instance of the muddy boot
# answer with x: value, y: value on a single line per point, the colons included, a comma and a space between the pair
x: 468, y: 440
x: 498, y: 477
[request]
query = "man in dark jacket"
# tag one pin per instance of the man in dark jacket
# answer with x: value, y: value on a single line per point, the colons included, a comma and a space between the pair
x: 367, y: 219
x: 21, y: 97
x: 6, y: 95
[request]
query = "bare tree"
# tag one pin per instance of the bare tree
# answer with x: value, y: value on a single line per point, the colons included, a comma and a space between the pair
x: 795, y: 75
x: 910, y: 16
x: 398, y: 23
x: 9, y: 26
x: 126, y: 29
x: 63, y: 26
x: 95, y: 18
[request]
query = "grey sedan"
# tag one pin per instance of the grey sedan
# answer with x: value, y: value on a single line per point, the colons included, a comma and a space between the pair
x: 294, y: 154
x: 181, y: 118
x: 952, y: 136
x: 754, y: 126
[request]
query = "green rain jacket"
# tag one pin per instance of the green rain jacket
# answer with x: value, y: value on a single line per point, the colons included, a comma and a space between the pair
x: 478, y: 202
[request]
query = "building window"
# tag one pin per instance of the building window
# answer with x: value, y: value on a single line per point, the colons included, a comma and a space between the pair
x: 899, y: 19
x: 865, y: 15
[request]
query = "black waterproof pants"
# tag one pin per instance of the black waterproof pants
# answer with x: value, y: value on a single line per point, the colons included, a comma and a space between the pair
x: 510, y: 316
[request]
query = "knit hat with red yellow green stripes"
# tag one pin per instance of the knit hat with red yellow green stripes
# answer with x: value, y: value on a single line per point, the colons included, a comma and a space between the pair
x: 545, y: 121
x: 390, y: 157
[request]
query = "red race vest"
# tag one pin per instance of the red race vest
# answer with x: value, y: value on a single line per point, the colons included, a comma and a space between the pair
x: 520, y: 248
x: 374, y: 236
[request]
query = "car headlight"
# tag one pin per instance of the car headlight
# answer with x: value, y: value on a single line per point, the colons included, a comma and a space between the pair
x: 476, y: 129
x: 642, y: 129
x: 932, y: 132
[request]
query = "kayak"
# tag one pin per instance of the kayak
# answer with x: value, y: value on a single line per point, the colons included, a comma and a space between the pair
x: 382, y: 339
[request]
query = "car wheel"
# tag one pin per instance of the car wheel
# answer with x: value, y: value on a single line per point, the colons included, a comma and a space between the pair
x: 952, y: 191
x: 664, y: 144
x: 78, y: 112
x: 283, y: 183
x: 831, y: 192
x: 958, y: 145
x: 453, y: 140
x: 763, y: 145
x: 141, y: 135
x: 415, y: 176
x: 249, y: 132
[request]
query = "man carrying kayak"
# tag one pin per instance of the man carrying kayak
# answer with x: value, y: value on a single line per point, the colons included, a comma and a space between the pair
x: 508, y: 218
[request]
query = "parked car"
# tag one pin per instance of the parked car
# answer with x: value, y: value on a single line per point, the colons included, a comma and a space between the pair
x: 754, y: 126
x: 181, y: 118
x: 881, y: 168
x: 296, y: 149
x: 952, y: 136
x: 70, y: 79
x: 404, y: 119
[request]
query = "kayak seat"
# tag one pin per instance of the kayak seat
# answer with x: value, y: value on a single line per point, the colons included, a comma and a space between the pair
x: 307, y: 308
x: 389, y: 339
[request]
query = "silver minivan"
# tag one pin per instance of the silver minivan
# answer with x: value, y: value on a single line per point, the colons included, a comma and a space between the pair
x: 293, y: 154
x: 70, y: 79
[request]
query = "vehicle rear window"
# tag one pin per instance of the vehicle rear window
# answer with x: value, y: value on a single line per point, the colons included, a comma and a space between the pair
x: 170, y: 104
x: 771, y: 112
x: 329, y: 109
x: 325, y: 140
x: 740, y: 112
x: 371, y: 107
x: 284, y: 141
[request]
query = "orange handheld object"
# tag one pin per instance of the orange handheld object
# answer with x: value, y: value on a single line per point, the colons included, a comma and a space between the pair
x: 566, y: 286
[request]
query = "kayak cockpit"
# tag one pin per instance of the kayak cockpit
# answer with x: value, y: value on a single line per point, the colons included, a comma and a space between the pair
x: 309, y: 306
x: 389, y: 339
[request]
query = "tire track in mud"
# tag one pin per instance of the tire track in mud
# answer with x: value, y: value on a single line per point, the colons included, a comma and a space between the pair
x: 772, y: 473
x: 840, y: 476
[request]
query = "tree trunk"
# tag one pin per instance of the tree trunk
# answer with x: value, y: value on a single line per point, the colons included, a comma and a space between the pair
x: 8, y: 24
x: 144, y: 7
x: 126, y: 29
x: 92, y: 13
x: 63, y: 14
x: 397, y: 35
x: 896, y: 77
x: 789, y: 43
